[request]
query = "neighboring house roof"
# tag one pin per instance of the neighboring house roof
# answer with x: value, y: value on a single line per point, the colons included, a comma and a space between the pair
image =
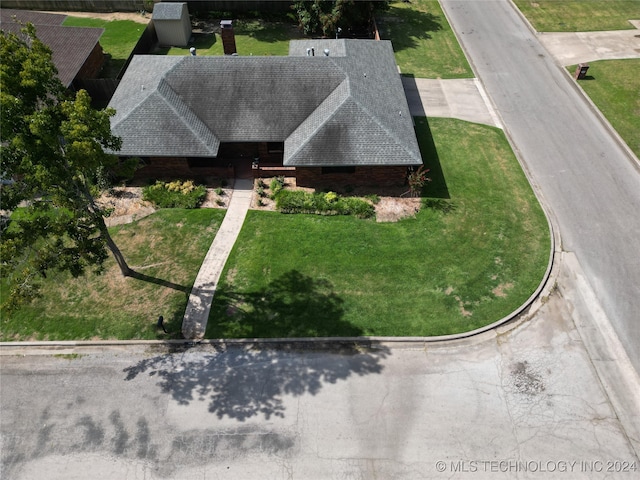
x: 348, y: 108
x: 70, y: 46
x: 168, y: 11
x: 37, y: 18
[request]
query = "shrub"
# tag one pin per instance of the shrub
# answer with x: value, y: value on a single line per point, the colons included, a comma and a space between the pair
x: 417, y: 180
x: 276, y: 185
x: 322, y: 204
x: 373, y: 198
x: 175, y: 194
x: 330, y: 197
x: 219, y: 191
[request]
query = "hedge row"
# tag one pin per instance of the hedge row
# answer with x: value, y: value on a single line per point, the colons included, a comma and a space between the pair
x: 295, y: 201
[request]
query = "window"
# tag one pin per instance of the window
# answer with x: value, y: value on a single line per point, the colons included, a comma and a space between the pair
x: 275, y: 147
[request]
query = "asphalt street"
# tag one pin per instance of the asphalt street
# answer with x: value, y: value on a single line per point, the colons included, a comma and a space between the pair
x: 585, y: 178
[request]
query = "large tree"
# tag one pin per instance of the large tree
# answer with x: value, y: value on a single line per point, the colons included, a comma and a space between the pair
x: 53, y: 159
x: 326, y: 16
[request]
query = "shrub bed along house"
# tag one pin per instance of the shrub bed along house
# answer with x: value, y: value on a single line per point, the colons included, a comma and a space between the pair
x: 175, y: 194
x: 330, y: 203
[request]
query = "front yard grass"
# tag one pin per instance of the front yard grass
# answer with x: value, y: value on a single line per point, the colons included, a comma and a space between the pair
x: 473, y: 254
x: 613, y: 86
x: 168, y: 247
x: 477, y: 249
x: 580, y: 15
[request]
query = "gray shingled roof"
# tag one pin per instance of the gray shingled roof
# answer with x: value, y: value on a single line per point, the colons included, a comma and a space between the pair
x: 345, y: 109
x: 70, y: 46
x: 167, y: 11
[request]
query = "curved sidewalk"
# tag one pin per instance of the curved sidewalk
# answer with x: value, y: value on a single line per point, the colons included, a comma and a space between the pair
x: 196, y: 314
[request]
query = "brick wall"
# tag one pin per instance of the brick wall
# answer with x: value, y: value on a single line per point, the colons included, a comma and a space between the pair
x: 367, y: 176
x: 92, y: 66
x: 179, y: 168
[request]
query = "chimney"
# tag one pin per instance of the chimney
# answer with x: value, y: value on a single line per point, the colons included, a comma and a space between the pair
x: 228, y: 37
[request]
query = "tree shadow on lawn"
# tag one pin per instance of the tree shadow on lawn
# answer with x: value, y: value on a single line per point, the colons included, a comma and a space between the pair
x: 241, y: 382
x: 404, y: 26
x: 293, y: 305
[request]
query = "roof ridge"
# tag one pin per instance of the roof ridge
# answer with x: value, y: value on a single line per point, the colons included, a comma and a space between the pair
x: 317, y: 113
x: 187, y: 116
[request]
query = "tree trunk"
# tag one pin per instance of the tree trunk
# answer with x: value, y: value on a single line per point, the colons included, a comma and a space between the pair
x: 117, y: 254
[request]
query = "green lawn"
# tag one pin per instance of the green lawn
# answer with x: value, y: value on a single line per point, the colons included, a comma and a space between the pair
x: 579, y: 15
x: 423, y: 41
x: 614, y: 86
x: 168, y: 247
x: 118, y: 40
x: 474, y: 254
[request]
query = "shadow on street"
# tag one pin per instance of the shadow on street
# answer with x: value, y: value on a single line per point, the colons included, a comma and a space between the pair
x: 242, y: 382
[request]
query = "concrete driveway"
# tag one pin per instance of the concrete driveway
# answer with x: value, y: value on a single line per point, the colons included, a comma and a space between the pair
x: 570, y: 48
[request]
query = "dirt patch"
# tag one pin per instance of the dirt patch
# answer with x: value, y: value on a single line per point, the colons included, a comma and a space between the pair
x: 126, y: 205
x: 138, y: 17
x: 392, y: 209
x: 217, y: 198
x: 501, y: 290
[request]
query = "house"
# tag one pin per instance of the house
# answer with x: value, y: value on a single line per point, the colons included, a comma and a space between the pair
x: 76, y: 51
x: 332, y: 112
x: 172, y: 22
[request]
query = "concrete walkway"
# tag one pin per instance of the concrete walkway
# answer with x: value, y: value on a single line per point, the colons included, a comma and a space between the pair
x: 196, y: 314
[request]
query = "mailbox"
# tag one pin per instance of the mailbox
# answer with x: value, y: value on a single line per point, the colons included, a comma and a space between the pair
x: 581, y: 71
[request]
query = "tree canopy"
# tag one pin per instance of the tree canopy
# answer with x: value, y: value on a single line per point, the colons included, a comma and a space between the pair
x: 53, y: 160
x: 326, y: 16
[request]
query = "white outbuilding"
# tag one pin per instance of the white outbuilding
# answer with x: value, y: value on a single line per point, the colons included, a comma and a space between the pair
x: 172, y: 23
